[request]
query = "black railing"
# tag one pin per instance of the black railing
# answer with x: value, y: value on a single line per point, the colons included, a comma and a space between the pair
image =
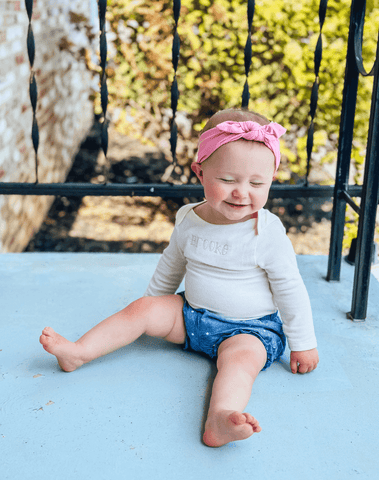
x: 163, y: 190
x: 342, y: 192
x: 370, y: 191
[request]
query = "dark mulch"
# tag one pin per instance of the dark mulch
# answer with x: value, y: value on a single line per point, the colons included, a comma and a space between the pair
x: 131, y: 162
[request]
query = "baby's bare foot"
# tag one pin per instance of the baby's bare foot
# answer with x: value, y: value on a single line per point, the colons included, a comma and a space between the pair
x: 227, y: 426
x: 67, y: 352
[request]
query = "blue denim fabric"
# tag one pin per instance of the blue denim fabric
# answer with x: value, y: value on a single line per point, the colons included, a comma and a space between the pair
x: 206, y: 330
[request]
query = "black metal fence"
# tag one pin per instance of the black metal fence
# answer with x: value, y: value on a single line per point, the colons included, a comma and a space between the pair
x: 341, y: 192
x: 370, y: 191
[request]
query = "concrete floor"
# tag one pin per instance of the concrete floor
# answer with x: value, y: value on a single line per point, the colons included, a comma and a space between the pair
x: 138, y: 413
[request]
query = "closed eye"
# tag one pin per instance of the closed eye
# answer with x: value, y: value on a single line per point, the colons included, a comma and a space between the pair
x: 226, y: 180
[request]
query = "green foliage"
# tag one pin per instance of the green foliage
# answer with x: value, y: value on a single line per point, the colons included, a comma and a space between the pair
x: 351, y: 228
x: 211, y: 68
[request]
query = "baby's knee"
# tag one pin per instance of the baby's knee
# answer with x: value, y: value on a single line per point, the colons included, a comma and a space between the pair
x: 250, y: 355
x: 153, y: 307
x: 141, y: 306
x: 243, y: 356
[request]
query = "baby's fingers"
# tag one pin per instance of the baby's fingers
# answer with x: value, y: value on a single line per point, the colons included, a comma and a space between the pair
x: 297, y: 367
x: 304, y: 368
x: 304, y: 362
x: 293, y: 366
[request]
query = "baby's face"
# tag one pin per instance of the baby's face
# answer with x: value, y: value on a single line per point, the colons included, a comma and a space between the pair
x: 236, y: 178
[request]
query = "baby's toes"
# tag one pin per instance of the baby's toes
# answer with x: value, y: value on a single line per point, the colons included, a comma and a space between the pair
x: 47, y: 339
x: 237, y: 418
x: 253, y: 422
x: 48, y: 331
x: 249, y: 418
x: 44, y: 341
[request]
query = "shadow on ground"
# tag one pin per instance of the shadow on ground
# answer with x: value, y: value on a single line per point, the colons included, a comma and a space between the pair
x: 306, y: 220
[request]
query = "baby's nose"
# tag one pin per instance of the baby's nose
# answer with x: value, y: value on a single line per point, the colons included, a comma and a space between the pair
x: 240, y: 191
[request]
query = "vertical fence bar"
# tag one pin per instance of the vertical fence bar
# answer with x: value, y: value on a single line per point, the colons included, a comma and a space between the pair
x: 314, y: 94
x: 33, y: 92
x: 248, y: 53
x: 102, y: 4
x: 369, y: 204
x: 174, y: 86
x: 349, y: 101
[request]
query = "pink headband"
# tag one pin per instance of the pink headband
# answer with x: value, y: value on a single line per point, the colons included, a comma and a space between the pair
x: 229, y: 131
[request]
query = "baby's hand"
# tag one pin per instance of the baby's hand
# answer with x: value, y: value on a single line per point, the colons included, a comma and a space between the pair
x: 304, y: 362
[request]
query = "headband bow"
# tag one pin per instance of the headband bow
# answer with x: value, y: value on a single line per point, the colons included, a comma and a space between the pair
x: 229, y: 131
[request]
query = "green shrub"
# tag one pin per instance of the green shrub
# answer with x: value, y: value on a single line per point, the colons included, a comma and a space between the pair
x: 211, y: 67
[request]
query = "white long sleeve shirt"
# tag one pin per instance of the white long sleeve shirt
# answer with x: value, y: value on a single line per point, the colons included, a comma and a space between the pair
x: 241, y: 271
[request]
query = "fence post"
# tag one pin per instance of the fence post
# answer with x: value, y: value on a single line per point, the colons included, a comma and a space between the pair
x: 369, y: 204
x: 358, y: 8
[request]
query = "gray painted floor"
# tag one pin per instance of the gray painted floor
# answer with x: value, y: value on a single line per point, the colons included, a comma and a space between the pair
x: 138, y: 413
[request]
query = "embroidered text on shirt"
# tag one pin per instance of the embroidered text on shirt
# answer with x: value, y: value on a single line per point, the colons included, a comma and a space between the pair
x: 209, y: 245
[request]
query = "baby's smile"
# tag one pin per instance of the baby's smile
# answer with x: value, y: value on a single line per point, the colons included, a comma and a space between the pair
x: 236, y: 205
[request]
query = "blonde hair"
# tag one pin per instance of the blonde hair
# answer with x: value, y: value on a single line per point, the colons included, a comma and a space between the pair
x: 235, y: 115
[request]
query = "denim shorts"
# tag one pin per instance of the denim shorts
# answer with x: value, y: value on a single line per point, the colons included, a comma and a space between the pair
x: 206, y: 330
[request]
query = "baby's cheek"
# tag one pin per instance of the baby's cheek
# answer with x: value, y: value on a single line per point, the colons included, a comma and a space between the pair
x: 216, y: 191
x: 263, y: 196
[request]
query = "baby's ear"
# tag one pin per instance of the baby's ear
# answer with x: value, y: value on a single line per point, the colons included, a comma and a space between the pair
x: 196, y: 168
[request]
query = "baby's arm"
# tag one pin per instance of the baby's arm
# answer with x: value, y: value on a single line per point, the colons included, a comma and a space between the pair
x: 276, y: 256
x: 304, y: 362
x: 170, y: 270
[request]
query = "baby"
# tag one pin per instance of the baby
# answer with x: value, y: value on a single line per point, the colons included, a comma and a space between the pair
x: 240, y: 271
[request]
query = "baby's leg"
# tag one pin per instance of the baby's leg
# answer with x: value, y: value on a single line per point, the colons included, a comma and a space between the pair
x: 240, y: 359
x: 154, y: 316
